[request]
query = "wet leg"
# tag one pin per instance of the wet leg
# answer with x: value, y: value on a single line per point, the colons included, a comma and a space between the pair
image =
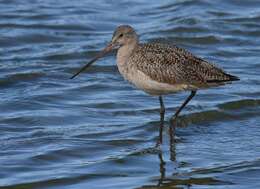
x: 174, y: 117
x: 162, y: 112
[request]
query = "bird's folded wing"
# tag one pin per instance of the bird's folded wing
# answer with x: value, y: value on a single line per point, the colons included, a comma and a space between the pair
x: 173, y: 65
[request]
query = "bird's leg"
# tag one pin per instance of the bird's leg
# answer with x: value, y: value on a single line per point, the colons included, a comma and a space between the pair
x: 162, y: 111
x: 174, y: 117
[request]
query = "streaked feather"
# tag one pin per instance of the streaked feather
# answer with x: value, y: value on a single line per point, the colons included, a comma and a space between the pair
x: 173, y: 65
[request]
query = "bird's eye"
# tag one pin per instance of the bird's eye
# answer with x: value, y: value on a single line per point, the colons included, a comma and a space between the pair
x: 121, y: 35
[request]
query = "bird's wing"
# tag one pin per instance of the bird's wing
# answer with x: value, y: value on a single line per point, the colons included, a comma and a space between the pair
x: 174, y: 65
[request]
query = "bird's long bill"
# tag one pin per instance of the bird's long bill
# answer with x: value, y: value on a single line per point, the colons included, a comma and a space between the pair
x: 106, y: 50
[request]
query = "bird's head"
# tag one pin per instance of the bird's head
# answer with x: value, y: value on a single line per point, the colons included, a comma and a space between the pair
x: 123, y: 35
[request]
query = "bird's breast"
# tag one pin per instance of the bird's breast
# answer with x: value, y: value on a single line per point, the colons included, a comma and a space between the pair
x: 128, y: 69
x: 145, y: 83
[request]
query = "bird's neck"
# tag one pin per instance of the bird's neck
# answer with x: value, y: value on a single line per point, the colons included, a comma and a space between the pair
x: 125, y: 52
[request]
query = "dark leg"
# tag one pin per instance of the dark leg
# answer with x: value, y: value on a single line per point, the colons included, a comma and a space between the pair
x: 174, y: 117
x: 162, y: 111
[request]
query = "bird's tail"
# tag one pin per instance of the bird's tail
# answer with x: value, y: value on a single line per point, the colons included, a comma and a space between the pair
x: 232, y: 77
x: 227, y: 78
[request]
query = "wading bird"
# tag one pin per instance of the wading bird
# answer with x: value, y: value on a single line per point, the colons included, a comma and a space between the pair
x: 161, y: 69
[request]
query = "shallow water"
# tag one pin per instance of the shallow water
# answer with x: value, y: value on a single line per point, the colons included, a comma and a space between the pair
x: 97, y: 130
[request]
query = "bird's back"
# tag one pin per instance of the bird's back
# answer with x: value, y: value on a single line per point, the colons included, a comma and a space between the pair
x: 173, y: 65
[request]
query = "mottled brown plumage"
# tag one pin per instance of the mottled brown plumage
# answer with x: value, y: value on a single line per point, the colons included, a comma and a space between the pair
x: 173, y: 65
x: 160, y: 69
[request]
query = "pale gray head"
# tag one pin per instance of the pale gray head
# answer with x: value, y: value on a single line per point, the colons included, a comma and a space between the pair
x: 123, y: 35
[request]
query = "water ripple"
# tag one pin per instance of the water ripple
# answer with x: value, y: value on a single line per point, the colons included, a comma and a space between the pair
x: 97, y: 128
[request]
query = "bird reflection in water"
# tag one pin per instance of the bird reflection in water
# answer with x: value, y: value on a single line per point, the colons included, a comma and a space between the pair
x: 162, y: 169
x: 172, y: 150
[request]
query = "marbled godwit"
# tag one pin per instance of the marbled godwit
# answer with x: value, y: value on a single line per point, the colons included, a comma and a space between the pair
x: 161, y: 69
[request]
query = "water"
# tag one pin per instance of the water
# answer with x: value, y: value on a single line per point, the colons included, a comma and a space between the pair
x: 97, y: 130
